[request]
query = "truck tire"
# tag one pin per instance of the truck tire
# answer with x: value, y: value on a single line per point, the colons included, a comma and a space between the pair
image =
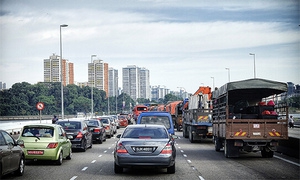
x: 184, y: 132
x: 266, y: 153
x: 217, y: 144
x: 230, y: 150
x: 191, y: 138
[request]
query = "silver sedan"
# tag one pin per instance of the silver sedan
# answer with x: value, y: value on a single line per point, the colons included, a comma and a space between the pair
x: 145, y: 145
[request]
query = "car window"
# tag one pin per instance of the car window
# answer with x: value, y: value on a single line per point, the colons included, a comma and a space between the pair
x: 37, y: 131
x: 105, y: 121
x: 92, y: 123
x: 8, y: 138
x: 70, y: 125
x: 2, y: 140
x: 151, y: 133
x: 161, y: 120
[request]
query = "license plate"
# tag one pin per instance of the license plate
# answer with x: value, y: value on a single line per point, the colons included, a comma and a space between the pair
x: 34, y: 152
x: 143, y: 149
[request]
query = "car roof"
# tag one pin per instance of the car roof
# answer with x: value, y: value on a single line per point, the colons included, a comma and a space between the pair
x: 156, y: 113
x: 146, y: 125
x: 66, y: 120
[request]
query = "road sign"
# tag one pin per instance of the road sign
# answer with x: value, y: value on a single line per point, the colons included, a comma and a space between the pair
x: 40, y: 106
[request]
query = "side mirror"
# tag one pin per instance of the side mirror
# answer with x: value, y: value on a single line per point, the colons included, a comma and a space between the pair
x: 20, y: 143
x: 10, y: 145
x: 174, y: 136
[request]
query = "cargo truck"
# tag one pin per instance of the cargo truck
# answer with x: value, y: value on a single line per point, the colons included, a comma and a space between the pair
x: 175, y: 109
x: 197, y: 115
x: 249, y: 116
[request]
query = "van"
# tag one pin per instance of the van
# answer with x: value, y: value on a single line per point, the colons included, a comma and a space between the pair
x: 157, y: 117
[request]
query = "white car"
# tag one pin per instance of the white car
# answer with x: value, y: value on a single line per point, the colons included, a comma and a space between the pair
x: 106, y: 121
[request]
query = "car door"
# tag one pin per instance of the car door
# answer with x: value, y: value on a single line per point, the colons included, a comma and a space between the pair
x: 13, y: 153
x: 63, y: 140
x: 5, y: 154
x: 87, y: 133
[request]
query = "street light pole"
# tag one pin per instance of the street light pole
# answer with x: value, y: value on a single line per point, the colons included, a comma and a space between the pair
x: 116, y: 93
x: 228, y: 74
x: 252, y: 54
x: 213, y: 83
x: 92, y: 86
x: 61, y: 73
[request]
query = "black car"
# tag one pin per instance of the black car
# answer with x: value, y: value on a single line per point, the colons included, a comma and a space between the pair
x: 97, y: 129
x: 12, y: 157
x: 82, y: 136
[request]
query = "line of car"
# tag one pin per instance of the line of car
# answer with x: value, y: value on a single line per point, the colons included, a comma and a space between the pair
x: 53, y: 142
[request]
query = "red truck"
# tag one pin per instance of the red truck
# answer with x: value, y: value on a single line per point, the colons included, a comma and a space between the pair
x: 136, y: 111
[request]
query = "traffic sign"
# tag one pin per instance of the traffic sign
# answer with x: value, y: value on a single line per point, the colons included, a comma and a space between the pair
x: 40, y: 106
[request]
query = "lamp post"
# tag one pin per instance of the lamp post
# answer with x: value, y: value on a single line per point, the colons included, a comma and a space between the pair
x: 92, y: 85
x: 213, y: 78
x: 116, y: 93
x: 61, y: 72
x: 252, y: 54
x: 228, y: 74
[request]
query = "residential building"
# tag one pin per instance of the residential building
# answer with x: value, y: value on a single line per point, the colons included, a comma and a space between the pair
x: 98, y: 75
x: 131, y: 81
x: 113, y: 82
x: 52, y: 69
x: 2, y: 85
x: 145, y: 89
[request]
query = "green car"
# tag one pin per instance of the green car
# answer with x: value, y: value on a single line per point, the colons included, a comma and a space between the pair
x: 45, y: 142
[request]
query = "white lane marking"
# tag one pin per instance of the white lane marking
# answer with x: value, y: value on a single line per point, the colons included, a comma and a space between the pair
x: 109, y: 148
x: 287, y: 160
x: 93, y: 161
x: 100, y: 155
x: 182, y: 151
x: 189, y: 161
x: 105, y: 151
x: 83, y: 169
x: 201, y: 178
x: 179, y: 147
x: 184, y: 155
x: 74, y: 177
x: 113, y: 144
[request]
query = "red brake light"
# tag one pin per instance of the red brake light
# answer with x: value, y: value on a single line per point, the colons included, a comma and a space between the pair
x: 79, y: 135
x: 167, y: 149
x: 97, y: 130
x: 121, y: 148
x: 52, y: 145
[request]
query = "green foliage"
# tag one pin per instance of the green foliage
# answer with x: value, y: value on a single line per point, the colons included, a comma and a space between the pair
x: 21, y: 99
x: 171, y: 97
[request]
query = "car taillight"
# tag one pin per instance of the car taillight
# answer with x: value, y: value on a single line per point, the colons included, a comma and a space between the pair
x: 79, y: 135
x: 167, y: 149
x: 121, y: 148
x: 97, y: 130
x: 52, y: 145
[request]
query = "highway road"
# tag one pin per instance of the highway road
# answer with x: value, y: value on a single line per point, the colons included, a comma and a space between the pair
x: 194, y: 161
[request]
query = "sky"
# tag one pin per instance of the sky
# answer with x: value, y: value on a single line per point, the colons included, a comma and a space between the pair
x: 183, y: 43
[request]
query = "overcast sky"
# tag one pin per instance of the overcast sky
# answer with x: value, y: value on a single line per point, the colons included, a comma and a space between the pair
x: 183, y: 43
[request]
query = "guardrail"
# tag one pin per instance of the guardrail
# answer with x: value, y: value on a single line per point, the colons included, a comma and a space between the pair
x: 37, y: 117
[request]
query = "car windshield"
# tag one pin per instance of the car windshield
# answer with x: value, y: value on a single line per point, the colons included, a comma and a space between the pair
x: 161, y: 120
x: 70, y: 125
x: 38, y: 132
x: 145, y: 133
x: 92, y: 123
x: 105, y: 121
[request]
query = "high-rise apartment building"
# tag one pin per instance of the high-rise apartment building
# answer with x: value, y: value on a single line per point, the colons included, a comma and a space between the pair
x: 113, y: 82
x: 98, y: 75
x: 2, y: 85
x: 159, y: 92
x: 52, y: 70
x: 145, y: 84
x: 136, y: 82
x: 131, y: 81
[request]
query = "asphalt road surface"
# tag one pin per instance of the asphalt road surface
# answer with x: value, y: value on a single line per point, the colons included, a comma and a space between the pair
x: 194, y: 161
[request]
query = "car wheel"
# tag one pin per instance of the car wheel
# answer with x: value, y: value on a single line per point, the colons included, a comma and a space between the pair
x: 118, y: 169
x: 60, y: 158
x: 70, y: 154
x: 20, y: 170
x: 171, y: 169
x: 100, y: 140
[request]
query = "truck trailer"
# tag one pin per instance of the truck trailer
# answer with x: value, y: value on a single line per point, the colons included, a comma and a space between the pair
x: 249, y: 116
x: 175, y: 109
x: 197, y: 115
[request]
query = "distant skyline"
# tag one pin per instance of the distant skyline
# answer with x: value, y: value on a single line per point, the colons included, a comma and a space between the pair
x: 182, y: 43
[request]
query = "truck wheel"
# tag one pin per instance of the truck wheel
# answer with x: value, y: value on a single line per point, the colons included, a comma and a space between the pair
x: 191, y: 138
x: 230, y: 150
x: 217, y: 144
x: 184, y: 133
x: 266, y: 153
